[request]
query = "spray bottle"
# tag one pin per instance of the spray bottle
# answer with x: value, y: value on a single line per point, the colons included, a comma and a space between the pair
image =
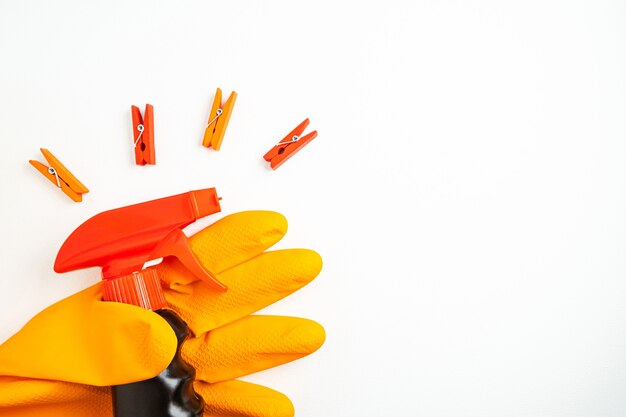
x: 121, y: 241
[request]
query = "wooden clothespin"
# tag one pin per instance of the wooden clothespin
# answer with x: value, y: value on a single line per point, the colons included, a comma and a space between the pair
x: 218, y: 120
x: 143, y: 135
x: 60, y: 176
x: 291, y: 144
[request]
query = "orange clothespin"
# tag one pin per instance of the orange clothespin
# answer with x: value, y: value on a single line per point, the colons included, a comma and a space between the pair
x: 218, y: 120
x: 143, y: 135
x: 60, y: 176
x: 291, y: 144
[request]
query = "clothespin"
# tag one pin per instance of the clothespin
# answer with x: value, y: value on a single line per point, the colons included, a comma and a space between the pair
x: 60, y: 176
x: 291, y: 144
x: 218, y: 120
x: 143, y: 135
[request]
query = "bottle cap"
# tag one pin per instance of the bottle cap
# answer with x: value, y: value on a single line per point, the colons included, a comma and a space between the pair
x: 141, y: 288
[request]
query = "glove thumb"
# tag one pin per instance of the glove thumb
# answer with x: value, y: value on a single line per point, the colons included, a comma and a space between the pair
x: 82, y: 339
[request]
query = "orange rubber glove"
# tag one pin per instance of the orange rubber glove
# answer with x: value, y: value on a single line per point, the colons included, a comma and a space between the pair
x: 63, y: 360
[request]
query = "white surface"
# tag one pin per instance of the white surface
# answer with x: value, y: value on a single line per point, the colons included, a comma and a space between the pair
x: 467, y: 189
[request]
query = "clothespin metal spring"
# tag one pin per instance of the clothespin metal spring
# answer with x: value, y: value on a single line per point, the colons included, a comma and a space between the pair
x: 219, y: 113
x: 140, y: 129
x: 53, y: 171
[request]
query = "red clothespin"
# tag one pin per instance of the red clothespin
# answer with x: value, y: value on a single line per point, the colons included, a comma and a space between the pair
x: 143, y: 135
x: 291, y: 144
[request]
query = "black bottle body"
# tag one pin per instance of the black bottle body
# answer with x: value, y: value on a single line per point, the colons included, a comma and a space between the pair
x: 169, y: 394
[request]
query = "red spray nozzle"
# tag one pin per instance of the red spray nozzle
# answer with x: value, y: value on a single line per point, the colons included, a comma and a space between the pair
x: 120, y: 241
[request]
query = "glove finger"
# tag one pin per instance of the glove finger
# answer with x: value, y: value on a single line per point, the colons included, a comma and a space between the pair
x: 21, y: 397
x: 81, y: 339
x: 243, y: 399
x: 226, y: 243
x: 252, y: 344
x: 252, y: 285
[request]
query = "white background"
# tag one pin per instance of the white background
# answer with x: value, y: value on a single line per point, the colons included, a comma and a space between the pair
x: 467, y: 190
